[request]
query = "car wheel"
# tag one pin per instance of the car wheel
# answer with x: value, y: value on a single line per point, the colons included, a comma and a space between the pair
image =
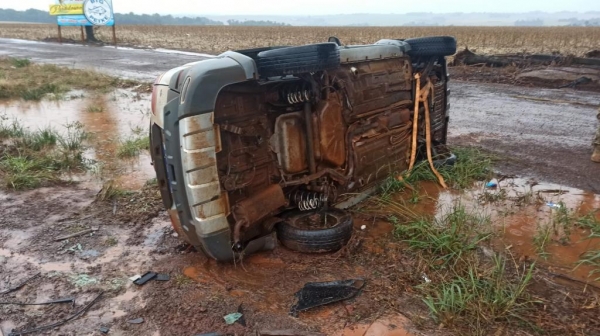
x: 315, y: 231
x: 296, y: 60
x: 432, y: 46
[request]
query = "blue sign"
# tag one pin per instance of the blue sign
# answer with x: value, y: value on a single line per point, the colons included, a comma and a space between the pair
x: 95, y: 13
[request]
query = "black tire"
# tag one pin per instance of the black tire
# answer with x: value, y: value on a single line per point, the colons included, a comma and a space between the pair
x: 297, y: 60
x: 253, y: 53
x: 298, y: 234
x: 432, y: 46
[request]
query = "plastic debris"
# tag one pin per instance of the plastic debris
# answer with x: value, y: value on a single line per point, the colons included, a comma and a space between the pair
x: 553, y: 205
x: 425, y: 278
x: 491, y: 184
x: 104, y: 330
x: 135, y: 277
x: 363, y: 227
x: 162, y: 277
x: 315, y: 294
x: 232, y: 318
x: 145, y: 278
x: 138, y: 320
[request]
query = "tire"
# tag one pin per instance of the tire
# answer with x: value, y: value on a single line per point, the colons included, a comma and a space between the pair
x: 295, y: 234
x: 253, y: 53
x: 297, y: 60
x: 432, y: 46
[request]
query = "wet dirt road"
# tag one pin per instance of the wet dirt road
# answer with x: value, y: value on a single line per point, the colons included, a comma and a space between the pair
x: 543, y: 133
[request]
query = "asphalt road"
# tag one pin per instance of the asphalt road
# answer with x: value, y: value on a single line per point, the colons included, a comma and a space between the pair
x: 137, y: 64
x: 540, y: 133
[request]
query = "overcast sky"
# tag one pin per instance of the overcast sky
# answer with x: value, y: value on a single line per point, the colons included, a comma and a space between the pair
x: 320, y: 7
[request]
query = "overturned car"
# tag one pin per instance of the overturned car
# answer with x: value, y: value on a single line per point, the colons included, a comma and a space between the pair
x: 283, y: 139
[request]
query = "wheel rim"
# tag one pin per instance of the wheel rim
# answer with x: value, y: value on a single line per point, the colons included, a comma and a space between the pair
x: 316, y: 221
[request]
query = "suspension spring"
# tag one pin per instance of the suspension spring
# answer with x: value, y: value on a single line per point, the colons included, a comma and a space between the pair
x: 296, y: 96
x: 309, y: 200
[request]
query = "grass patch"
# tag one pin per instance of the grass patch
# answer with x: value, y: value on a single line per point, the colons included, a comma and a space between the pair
x: 19, y: 62
x: 133, y: 146
x: 480, y: 297
x: 464, y: 288
x: 471, y: 165
x: 541, y: 239
x: 21, y: 79
x: 94, y: 109
x: 447, y: 238
x: 37, y: 158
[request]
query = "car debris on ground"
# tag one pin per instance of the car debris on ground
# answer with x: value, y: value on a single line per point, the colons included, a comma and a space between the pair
x: 315, y: 294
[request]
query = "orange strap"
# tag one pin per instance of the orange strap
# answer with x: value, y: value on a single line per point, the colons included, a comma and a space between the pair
x: 422, y: 96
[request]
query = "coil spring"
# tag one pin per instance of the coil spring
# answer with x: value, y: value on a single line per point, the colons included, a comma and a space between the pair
x: 308, y: 200
x: 296, y: 96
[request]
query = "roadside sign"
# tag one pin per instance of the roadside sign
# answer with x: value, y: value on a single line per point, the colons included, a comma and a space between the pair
x: 92, y: 13
x: 70, y: 9
x: 83, y: 13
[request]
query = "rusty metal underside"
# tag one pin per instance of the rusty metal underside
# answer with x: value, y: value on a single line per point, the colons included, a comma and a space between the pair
x: 360, y: 120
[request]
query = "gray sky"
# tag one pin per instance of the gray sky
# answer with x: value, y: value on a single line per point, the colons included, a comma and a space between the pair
x: 319, y: 7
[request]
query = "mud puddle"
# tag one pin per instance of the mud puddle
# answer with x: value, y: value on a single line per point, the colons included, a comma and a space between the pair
x: 110, y: 119
x: 549, y: 223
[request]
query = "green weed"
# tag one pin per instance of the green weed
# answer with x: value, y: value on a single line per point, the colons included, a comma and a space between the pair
x: 471, y: 165
x: 95, y: 109
x: 541, y: 239
x: 37, y: 93
x: 133, y: 146
x: 479, y: 298
x: 12, y: 129
x: 447, y: 238
x: 19, y: 62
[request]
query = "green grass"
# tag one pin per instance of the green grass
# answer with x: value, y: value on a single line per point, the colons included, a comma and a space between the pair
x: 36, y: 158
x: 133, y: 146
x: 43, y: 138
x: 37, y: 93
x: 591, y: 258
x: 471, y: 165
x: 19, y: 62
x: 447, y: 239
x: 468, y: 290
x: 541, y: 239
x: 481, y: 297
x: 10, y: 129
x: 94, y: 109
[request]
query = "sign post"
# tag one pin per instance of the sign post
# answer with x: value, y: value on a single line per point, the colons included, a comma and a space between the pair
x: 83, y: 13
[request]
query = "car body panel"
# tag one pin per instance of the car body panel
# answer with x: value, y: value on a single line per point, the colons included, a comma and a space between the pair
x: 230, y: 142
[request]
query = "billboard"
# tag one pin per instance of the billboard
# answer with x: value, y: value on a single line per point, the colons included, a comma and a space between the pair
x: 93, y: 13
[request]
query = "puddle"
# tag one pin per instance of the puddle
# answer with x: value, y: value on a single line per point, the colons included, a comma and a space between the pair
x: 519, y: 210
x: 109, y: 118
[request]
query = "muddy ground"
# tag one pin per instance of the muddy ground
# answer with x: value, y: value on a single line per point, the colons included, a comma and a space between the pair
x: 542, y: 135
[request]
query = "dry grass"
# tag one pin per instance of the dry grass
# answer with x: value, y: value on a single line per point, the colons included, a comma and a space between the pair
x: 215, y: 39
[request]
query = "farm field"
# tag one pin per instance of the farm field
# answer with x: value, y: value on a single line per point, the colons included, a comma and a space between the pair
x: 216, y: 39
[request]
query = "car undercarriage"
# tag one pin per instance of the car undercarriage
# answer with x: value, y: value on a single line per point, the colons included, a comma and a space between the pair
x: 314, y: 131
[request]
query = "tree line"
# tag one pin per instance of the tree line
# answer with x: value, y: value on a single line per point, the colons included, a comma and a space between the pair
x: 38, y: 16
